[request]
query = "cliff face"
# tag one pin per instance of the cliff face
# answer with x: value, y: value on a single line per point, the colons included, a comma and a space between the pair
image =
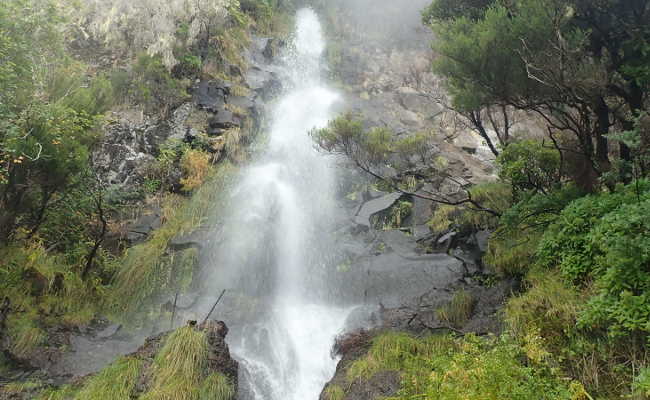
x: 221, y: 116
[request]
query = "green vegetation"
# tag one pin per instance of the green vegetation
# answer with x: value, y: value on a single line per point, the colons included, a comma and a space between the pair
x: 148, y: 271
x: 179, y: 371
x: 569, y: 212
x: 459, y: 309
x: 116, y: 381
x: 66, y: 67
x: 443, y: 367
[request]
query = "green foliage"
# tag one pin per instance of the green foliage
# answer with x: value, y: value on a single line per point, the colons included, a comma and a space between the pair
x: 398, y: 351
x: 441, y: 367
x: 494, y: 196
x: 530, y: 165
x: 44, y: 290
x: 641, y: 385
x: 152, y: 85
x: 567, y: 243
x: 620, y: 242
x: 445, y: 10
x: 547, y: 314
x: 549, y: 307
x: 513, y: 245
x: 117, y: 381
x: 149, y: 272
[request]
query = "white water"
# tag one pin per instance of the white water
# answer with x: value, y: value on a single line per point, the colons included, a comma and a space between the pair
x: 277, y: 244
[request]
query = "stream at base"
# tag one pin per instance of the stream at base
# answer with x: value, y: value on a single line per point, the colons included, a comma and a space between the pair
x: 276, y: 249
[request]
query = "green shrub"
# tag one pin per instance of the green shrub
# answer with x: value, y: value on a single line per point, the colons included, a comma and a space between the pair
x: 621, y: 249
x: 529, y: 165
x: 567, y: 244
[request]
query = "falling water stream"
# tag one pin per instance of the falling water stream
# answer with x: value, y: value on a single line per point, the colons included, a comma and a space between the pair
x: 277, y: 248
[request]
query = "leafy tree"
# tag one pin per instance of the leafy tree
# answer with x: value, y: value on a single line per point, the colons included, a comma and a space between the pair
x: 529, y: 165
x: 548, y: 57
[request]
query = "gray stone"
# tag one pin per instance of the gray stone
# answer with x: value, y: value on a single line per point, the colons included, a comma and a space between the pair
x: 374, y: 206
x: 109, y: 331
x: 482, y: 238
x: 211, y: 95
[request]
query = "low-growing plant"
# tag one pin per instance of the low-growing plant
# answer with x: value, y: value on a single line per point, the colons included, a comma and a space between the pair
x: 459, y: 310
x: 117, y: 381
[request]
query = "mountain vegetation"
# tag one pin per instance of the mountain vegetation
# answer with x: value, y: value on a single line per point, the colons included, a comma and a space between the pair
x: 66, y: 69
x: 568, y: 212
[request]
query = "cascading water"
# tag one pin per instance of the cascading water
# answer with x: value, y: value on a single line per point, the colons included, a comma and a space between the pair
x: 276, y: 247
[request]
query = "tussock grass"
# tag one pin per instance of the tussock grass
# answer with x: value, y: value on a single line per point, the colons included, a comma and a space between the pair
x: 217, y: 387
x: 179, y: 366
x: 66, y: 392
x: 196, y: 168
x: 549, y: 306
x: 511, y: 256
x: 115, y: 382
x: 458, y: 311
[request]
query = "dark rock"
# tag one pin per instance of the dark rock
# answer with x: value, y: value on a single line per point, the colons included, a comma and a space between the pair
x: 264, y: 82
x: 144, y: 226
x: 482, y: 238
x: 375, y: 206
x: 211, y: 95
x: 243, y: 102
x: 224, y: 119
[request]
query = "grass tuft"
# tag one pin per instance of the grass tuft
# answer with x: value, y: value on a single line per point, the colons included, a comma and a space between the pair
x: 458, y: 311
x: 179, y: 367
x: 217, y: 387
x: 115, y: 382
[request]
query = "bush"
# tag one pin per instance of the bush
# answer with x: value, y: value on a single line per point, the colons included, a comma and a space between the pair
x: 621, y: 249
x: 567, y: 244
x: 528, y: 165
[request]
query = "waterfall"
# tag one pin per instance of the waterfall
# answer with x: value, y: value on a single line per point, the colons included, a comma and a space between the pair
x: 274, y: 253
